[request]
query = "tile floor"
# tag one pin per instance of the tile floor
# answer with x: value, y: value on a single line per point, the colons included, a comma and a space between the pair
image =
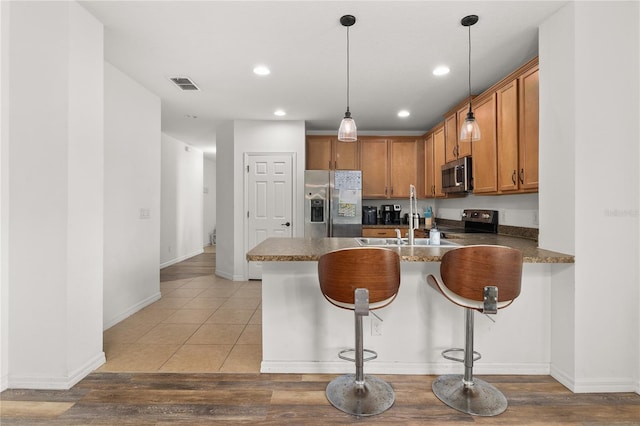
x: 202, y: 324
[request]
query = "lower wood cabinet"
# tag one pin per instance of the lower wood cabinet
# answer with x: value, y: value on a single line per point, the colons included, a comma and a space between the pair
x: 384, y: 232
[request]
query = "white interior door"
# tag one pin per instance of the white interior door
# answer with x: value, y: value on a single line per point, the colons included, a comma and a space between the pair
x: 270, y: 205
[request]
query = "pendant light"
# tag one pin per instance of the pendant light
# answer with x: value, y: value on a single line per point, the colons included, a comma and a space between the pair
x: 470, y: 131
x: 347, y: 131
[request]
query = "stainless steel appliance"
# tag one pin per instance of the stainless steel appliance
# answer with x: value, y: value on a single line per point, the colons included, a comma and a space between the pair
x: 457, y: 176
x: 474, y: 221
x: 333, y: 203
x: 390, y: 214
x: 369, y: 215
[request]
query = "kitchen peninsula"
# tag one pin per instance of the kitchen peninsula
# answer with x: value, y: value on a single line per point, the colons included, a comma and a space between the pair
x: 303, y: 333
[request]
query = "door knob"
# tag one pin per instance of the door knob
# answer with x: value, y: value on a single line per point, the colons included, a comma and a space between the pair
x: 286, y: 224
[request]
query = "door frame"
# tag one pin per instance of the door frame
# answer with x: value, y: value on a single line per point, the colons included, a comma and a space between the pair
x: 245, y: 208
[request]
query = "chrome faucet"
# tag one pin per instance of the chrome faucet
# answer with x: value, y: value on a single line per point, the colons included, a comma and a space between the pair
x: 398, y: 235
x: 413, y: 209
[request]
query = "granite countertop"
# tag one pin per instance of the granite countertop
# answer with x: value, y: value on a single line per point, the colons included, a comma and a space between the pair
x: 310, y: 249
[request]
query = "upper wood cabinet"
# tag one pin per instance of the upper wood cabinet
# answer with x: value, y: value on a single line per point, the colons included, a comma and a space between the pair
x: 484, y: 151
x: 374, y: 162
x: 455, y: 148
x: 403, y: 166
x: 433, y: 159
x: 438, y: 160
x: 428, y: 188
x: 529, y: 130
x: 518, y: 120
x: 451, y: 137
x: 389, y: 166
x: 328, y: 153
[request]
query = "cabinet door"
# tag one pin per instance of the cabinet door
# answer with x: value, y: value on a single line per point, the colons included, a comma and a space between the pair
x: 429, y: 188
x: 508, y: 137
x: 484, y: 151
x: 346, y: 155
x: 450, y: 138
x: 465, y: 147
x: 318, y: 152
x: 438, y: 160
x: 375, y: 165
x: 403, y: 166
x: 529, y: 125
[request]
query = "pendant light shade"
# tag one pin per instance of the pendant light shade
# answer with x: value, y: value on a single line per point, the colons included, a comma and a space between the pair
x: 347, y: 131
x: 469, y: 131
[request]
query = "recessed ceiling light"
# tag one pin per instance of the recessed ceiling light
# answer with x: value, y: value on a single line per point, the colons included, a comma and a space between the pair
x: 441, y: 70
x: 279, y: 113
x: 261, y: 70
x: 190, y: 116
x: 404, y: 113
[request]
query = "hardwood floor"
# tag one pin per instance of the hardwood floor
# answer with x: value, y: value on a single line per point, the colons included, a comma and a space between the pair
x: 168, y: 398
x: 163, y: 398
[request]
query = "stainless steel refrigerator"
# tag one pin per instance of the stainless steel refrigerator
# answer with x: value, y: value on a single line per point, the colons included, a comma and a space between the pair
x: 333, y: 203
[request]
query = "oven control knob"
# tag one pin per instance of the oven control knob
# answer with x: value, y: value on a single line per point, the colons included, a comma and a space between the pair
x: 485, y: 215
x: 464, y: 214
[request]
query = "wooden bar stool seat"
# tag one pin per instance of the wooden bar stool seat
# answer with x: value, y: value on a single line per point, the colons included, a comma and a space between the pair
x: 360, y: 279
x: 479, y: 278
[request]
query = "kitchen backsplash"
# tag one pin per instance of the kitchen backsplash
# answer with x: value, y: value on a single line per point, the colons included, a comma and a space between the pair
x: 519, y: 210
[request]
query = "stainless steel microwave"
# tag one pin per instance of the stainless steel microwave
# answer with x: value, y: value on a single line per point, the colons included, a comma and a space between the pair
x: 457, y: 176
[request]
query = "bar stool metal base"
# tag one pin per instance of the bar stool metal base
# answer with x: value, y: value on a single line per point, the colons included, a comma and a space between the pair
x: 375, y: 397
x: 479, y: 399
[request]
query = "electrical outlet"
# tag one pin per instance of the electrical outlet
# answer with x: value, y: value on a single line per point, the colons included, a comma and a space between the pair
x: 535, y: 218
x: 376, y: 326
x: 503, y: 216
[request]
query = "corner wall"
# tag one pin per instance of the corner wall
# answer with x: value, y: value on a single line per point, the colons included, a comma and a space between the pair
x: 52, y: 194
x: 233, y: 140
x: 131, y: 197
x: 589, y: 106
x: 182, y: 201
x: 209, y: 200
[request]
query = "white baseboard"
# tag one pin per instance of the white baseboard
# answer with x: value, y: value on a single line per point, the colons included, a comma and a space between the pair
x: 372, y: 367
x: 57, y: 383
x: 599, y: 385
x: 181, y: 258
x: 132, y: 310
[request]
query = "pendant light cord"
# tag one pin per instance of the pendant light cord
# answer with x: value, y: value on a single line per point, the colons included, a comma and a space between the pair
x: 347, y: 69
x: 469, y: 68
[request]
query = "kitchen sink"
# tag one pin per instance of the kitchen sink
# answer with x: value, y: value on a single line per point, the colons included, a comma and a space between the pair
x: 395, y: 242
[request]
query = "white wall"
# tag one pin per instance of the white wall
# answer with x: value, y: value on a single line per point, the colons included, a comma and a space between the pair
x: 4, y: 195
x: 589, y: 93
x: 209, y: 199
x: 51, y: 194
x: 181, y: 216
x: 233, y: 140
x: 131, y: 190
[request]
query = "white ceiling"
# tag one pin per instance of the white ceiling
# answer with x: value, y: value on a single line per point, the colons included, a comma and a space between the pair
x: 394, y: 46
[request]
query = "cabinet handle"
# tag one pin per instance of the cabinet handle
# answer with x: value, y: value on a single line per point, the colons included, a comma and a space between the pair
x: 392, y: 190
x: 385, y: 190
x: 522, y: 176
x: 513, y: 177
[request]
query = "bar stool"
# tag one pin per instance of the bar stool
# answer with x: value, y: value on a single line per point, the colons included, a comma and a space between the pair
x: 479, y: 278
x: 360, y: 279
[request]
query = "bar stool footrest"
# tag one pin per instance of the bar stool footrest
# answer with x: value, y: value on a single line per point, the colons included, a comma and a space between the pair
x: 373, y: 397
x: 479, y: 398
x: 372, y: 355
x: 445, y: 354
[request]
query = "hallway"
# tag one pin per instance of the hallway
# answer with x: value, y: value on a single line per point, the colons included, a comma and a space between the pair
x: 202, y: 324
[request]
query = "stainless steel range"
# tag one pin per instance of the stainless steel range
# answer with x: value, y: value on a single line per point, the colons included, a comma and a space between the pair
x: 475, y: 221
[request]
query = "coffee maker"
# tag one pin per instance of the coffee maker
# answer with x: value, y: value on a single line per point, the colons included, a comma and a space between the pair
x: 390, y: 214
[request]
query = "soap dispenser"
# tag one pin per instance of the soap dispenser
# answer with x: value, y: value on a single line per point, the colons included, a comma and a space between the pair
x: 434, y: 235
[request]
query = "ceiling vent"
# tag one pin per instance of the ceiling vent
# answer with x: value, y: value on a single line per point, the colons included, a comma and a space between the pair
x: 184, y: 83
